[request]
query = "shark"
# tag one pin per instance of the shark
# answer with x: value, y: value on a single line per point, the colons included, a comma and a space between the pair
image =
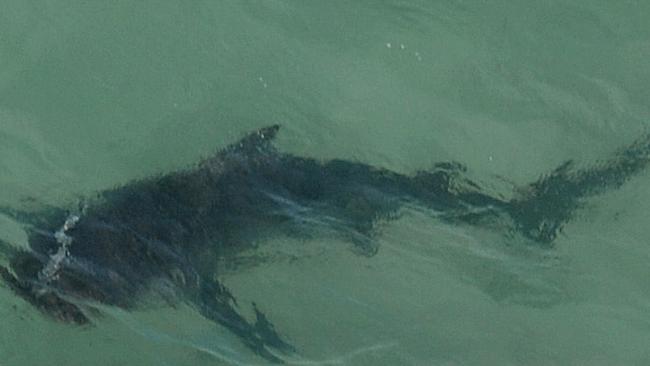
x: 169, y: 234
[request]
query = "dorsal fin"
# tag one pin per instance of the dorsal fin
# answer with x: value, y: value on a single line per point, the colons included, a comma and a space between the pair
x: 255, y: 142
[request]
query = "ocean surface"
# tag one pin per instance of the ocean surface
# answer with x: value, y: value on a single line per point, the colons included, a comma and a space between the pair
x: 94, y: 94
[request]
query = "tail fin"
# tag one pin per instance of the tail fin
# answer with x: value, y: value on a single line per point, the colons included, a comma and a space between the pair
x: 547, y: 204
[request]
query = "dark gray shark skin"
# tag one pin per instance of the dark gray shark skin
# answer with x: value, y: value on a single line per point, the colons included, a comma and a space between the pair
x: 168, y: 233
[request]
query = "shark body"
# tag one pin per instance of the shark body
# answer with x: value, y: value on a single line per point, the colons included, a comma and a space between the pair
x: 166, y: 234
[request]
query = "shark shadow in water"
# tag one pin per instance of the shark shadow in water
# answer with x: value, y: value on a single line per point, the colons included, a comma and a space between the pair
x: 167, y: 234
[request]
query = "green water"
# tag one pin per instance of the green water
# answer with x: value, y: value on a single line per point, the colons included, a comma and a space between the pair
x: 93, y: 94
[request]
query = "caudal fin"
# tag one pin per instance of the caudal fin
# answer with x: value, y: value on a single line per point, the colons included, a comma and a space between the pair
x: 545, y: 206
